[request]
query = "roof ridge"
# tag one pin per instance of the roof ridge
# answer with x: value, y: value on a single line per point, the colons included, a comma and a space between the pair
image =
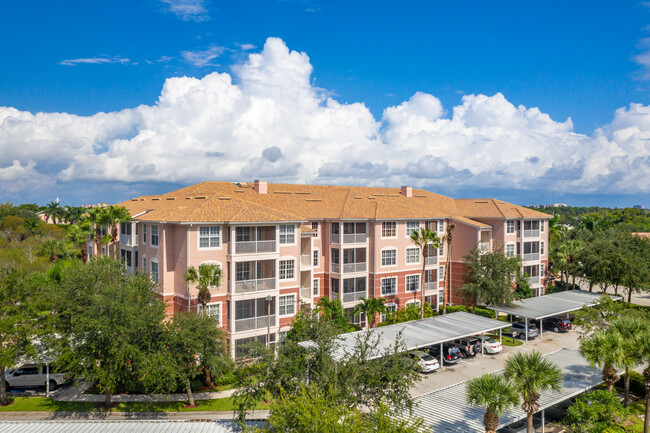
x: 498, y: 207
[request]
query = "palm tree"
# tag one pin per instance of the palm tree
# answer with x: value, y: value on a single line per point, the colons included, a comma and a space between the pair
x: 54, y: 211
x: 31, y: 225
x: 447, y: 238
x: 73, y: 214
x: 53, y: 248
x: 371, y: 307
x: 604, y: 349
x: 78, y: 234
x: 631, y: 330
x: 645, y: 351
x: 567, y: 258
x: 100, y: 218
x: 115, y: 215
x: 208, y: 275
x: 424, y: 239
x: 493, y: 392
x: 532, y: 375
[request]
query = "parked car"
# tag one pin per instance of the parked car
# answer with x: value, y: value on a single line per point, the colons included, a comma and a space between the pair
x: 469, y: 347
x: 450, y: 353
x: 425, y: 363
x: 33, y: 376
x: 557, y: 324
x: 519, y: 330
x: 492, y: 345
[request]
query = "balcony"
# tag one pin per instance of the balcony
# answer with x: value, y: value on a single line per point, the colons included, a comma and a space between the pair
x: 334, y: 238
x: 485, y: 246
x: 432, y: 260
x: 353, y: 296
x: 530, y: 257
x: 336, y: 268
x: 305, y: 260
x: 258, y: 285
x: 533, y: 280
x: 354, y: 267
x: 126, y: 240
x: 430, y: 286
x: 254, y: 323
x: 305, y: 292
x: 531, y: 233
x: 254, y: 247
x: 355, y: 238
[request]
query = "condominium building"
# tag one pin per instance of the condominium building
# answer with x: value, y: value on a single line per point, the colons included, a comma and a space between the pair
x: 281, y: 246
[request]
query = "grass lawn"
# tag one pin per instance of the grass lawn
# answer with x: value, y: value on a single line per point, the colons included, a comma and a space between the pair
x: 507, y: 341
x: 44, y: 404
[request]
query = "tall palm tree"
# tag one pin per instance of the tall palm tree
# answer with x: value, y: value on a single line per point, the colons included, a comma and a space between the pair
x: 631, y: 331
x: 645, y: 351
x: 78, y: 234
x: 604, y: 349
x: 449, y: 235
x: 493, y: 392
x: 371, y: 307
x: 424, y: 239
x: 532, y: 375
x: 53, y: 211
x: 53, y: 248
x: 115, y: 215
x: 567, y: 258
x: 73, y: 214
x: 208, y: 275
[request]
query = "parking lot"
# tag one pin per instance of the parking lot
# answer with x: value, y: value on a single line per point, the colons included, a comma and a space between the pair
x: 469, y: 368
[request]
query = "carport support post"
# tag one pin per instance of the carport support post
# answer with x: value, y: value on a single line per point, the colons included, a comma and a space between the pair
x: 47, y: 379
x: 543, y: 421
x: 500, y: 336
x: 526, y: 319
x: 541, y: 331
x: 482, y: 343
x: 442, y: 362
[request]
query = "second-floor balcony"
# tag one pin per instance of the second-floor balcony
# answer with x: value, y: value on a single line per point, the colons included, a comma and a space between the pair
x: 255, y: 240
x: 353, y: 296
x: 306, y: 260
x: 534, y: 280
x: 530, y: 257
x: 254, y: 276
x: 257, y: 285
x: 431, y: 286
x: 355, y: 238
x: 355, y: 267
x: 531, y: 233
x: 432, y: 260
x: 254, y: 247
x: 251, y: 323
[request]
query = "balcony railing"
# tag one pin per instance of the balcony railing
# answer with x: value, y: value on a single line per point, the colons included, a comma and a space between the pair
x: 484, y: 246
x: 305, y: 292
x: 432, y: 260
x: 531, y: 233
x: 531, y: 256
x: 254, y: 323
x: 334, y: 296
x: 305, y: 260
x: 431, y: 286
x: 336, y: 268
x: 353, y: 296
x: 533, y: 280
x: 334, y: 239
x: 126, y: 240
x: 259, y: 285
x: 354, y: 267
x: 252, y: 247
x: 357, y: 238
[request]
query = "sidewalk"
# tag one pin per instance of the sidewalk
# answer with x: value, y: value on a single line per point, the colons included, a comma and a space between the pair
x: 76, y: 393
x: 255, y: 415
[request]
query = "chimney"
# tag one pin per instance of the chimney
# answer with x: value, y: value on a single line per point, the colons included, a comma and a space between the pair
x: 407, y: 191
x: 260, y: 186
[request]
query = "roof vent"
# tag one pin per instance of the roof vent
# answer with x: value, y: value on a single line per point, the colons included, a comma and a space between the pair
x: 242, y: 184
x: 260, y: 186
x: 407, y: 191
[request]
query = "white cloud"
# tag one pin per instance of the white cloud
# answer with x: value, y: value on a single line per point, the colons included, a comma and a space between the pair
x: 187, y: 10
x: 96, y: 61
x: 246, y: 47
x: 269, y: 121
x: 202, y: 58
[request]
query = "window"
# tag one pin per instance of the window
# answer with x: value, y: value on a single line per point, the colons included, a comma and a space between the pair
x: 154, y: 235
x: 389, y: 286
x: 315, y: 258
x: 144, y: 264
x: 531, y: 225
x: 125, y: 229
x: 390, y: 308
x: 242, y: 234
x: 154, y: 269
x: 287, y: 305
x: 209, y: 237
x: 412, y: 283
x: 287, y: 235
x: 412, y: 255
x: 212, y: 310
x: 314, y: 226
x: 282, y: 336
x: 441, y: 250
x: 532, y: 271
x: 541, y: 247
x: 412, y: 226
x: 441, y: 226
x: 441, y: 273
x: 287, y: 268
x: 541, y: 226
x: 144, y: 233
x: 541, y: 270
x: 510, y: 250
x: 510, y: 226
x: 388, y: 229
x: 389, y: 257
x: 316, y: 287
x: 242, y: 271
x: 125, y: 256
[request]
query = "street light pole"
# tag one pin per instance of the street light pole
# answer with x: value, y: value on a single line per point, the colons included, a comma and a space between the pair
x: 268, y: 320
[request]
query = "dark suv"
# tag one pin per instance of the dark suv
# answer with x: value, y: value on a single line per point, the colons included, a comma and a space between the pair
x: 450, y: 353
x: 557, y: 324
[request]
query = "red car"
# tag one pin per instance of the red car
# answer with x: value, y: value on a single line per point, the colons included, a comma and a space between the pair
x: 557, y: 324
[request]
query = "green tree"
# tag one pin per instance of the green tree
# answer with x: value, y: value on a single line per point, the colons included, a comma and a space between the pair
x: 334, y: 312
x: 645, y: 356
x: 72, y: 214
x: 371, y: 307
x: 115, y: 215
x: 99, y: 218
x: 594, y: 412
x: 449, y: 236
x: 78, y: 234
x: 522, y: 287
x: 493, y: 392
x: 490, y: 277
x: 532, y: 375
x: 566, y: 259
x: 604, y: 349
x: 631, y: 331
x: 425, y: 239
x: 54, y: 211
x: 208, y: 275
x: 53, y: 249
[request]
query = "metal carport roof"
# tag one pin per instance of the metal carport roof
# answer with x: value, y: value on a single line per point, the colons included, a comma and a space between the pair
x: 446, y: 410
x: 551, y: 305
x: 168, y: 426
x: 417, y: 333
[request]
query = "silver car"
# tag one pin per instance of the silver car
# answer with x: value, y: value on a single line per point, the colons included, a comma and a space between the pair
x: 34, y: 376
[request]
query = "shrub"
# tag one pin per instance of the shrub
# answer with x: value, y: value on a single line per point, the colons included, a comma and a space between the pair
x: 637, y: 387
x: 453, y: 308
x: 594, y: 412
x: 485, y: 313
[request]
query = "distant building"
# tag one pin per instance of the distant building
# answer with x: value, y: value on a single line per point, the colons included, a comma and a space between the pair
x: 544, y: 206
x: 638, y: 206
x: 92, y: 206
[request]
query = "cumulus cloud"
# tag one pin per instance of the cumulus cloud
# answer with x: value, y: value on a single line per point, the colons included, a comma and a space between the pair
x: 102, y: 60
x: 187, y: 10
x: 267, y: 120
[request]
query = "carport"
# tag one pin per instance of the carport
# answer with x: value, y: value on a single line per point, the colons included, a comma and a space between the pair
x: 446, y: 410
x: 417, y: 334
x: 554, y: 304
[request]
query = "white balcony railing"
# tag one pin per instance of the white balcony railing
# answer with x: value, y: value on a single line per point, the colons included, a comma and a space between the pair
x: 253, y: 247
x: 357, y: 238
x: 431, y: 286
x: 254, y: 323
x: 305, y: 260
x: 305, y: 292
x: 354, y: 267
x: 432, y: 260
x: 126, y: 240
x: 531, y: 256
x: 259, y: 285
x: 336, y: 268
x: 484, y: 246
x: 531, y: 233
x: 353, y: 296
x: 533, y: 280
x: 334, y: 239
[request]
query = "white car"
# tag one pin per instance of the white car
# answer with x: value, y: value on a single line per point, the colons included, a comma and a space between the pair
x: 425, y: 362
x: 492, y: 345
x: 33, y: 376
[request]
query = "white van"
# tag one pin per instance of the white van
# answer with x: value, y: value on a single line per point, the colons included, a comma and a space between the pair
x: 33, y: 376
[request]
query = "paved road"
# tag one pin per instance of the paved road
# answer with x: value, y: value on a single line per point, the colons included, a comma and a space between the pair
x: 118, y: 416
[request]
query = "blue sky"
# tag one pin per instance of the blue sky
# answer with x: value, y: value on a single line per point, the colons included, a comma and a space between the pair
x: 579, y: 60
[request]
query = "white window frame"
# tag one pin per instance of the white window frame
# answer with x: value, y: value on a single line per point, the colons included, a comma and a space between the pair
x: 281, y: 271
x: 157, y: 235
x: 514, y: 252
x: 441, y: 273
x: 411, y: 302
x: 508, y: 224
x: 144, y: 263
x: 441, y: 250
x: 382, y: 257
x: 144, y: 233
x: 441, y: 226
x: 212, y: 304
x: 317, y: 228
x: 287, y: 235
x: 418, y: 286
x: 315, y: 287
x: 291, y: 304
x: 541, y: 248
x: 157, y: 272
x: 541, y: 226
x: 390, y: 308
x: 315, y: 258
x: 209, y: 237
x: 381, y: 286
x: 417, y: 254
x: 409, y: 231
x: 385, y: 227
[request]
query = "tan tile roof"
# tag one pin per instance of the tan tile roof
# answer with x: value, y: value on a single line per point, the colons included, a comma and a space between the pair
x: 230, y: 202
x: 492, y: 208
